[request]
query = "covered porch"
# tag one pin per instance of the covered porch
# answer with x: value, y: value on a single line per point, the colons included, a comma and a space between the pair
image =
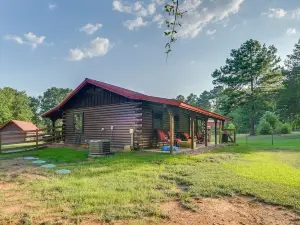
x: 178, y: 129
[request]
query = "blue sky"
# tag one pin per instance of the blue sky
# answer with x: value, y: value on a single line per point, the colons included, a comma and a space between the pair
x: 59, y: 43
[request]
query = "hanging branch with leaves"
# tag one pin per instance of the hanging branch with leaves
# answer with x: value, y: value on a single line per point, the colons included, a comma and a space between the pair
x: 172, y: 9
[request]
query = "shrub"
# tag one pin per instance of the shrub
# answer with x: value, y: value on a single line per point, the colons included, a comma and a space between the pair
x: 285, y: 128
x: 265, y: 128
x: 272, y: 119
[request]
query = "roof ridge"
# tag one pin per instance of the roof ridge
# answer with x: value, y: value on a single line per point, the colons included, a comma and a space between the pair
x: 134, y: 96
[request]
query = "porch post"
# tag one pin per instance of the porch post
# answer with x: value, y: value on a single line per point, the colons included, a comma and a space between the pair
x: 216, y: 133
x: 192, y: 133
x: 171, y: 131
x: 222, y: 128
x: 53, y: 130
x: 205, y: 132
x: 220, y: 132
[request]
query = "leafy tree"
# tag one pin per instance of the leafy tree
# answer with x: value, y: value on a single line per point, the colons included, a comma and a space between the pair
x: 285, y: 128
x: 293, y: 60
x: 204, y: 100
x: 14, y: 105
x: 50, y: 98
x: 5, y: 111
x: 215, y: 97
x: 265, y: 128
x: 34, y: 104
x: 192, y: 99
x: 250, y: 73
x: 180, y: 98
x: 288, y: 98
x: 272, y: 119
x: 240, y: 118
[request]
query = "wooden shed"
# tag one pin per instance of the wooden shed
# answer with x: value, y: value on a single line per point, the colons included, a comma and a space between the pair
x: 97, y: 110
x: 16, y: 131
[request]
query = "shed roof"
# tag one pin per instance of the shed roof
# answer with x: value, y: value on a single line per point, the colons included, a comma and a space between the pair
x: 23, y: 125
x: 134, y: 96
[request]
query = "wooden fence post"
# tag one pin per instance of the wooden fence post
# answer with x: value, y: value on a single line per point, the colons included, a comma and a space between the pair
x: 234, y: 135
x: 37, y: 138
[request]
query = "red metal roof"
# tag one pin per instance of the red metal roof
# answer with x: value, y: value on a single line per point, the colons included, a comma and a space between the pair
x: 23, y: 125
x: 134, y: 96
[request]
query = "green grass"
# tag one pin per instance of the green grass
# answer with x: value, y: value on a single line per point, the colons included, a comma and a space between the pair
x: 57, y: 155
x: 129, y: 185
x: 285, y: 141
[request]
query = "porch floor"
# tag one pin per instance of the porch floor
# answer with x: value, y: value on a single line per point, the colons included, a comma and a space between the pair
x: 200, y: 148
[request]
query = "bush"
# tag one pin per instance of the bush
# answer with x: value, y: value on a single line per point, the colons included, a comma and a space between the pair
x: 265, y: 128
x: 285, y: 129
x: 272, y: 119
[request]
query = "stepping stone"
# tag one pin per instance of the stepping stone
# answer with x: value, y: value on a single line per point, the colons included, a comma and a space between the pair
x: 39, y: 162
x: 30, y: 158
x: 63, y: 171
x: 48, y: 166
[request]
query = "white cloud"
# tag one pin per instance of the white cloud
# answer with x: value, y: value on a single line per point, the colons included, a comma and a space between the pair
x: 211, y: 32
x: 295, y: 14
x: 291, y: 31
x: 34, y: 40
x: 29, y: 39
x: 135, y: 24
x: 97, y: 47
x: 137, y: 8
x: 275, y: 13
x: 151, y: 8
x: 52, y: 6
x: 90, y: 28
x: 199, y: 14
x: 159, y: 19
x: 196, y: 18
x: 136, y: 45
x: 15, y: 38
x: 278, y: 13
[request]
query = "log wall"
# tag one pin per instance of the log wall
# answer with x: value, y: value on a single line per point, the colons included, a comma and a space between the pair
x: 97, y: 122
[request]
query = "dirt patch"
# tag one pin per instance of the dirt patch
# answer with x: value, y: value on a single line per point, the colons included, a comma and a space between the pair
x: 14, y: 164
x: 229, y: 211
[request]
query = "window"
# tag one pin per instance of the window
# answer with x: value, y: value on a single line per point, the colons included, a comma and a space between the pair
x: 78, y: 123
x: 176, y: 123
x: 157, y: 121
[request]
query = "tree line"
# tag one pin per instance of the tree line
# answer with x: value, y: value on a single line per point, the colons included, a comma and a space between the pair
x: 252, y: 84
x: 17, y: 105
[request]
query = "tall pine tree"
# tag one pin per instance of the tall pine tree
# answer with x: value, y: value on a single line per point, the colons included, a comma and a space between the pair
x: 250, y: 73
x: 288, y: 100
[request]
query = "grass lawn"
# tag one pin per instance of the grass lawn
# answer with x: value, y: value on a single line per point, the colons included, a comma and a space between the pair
x: 131, y: 185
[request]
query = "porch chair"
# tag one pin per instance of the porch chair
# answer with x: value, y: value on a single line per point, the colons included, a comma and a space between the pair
x: 176, y: 139
x: 200, y: 137
x: 162, y: 138
x: 185, y: 136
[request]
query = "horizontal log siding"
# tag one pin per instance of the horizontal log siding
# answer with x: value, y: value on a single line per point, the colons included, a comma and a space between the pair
x: 183, y: 122
x: 147, y: 127
x: 122, y: 116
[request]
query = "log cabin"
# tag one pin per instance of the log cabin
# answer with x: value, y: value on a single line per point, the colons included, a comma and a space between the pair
x: 97, y: 110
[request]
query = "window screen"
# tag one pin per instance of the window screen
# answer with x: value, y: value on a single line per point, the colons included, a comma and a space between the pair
x: 78, y: 123
x: 176, y: 123
x: 157, y: 121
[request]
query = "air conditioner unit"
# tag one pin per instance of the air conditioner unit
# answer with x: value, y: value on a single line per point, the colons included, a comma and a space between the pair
x: 99, y: 147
